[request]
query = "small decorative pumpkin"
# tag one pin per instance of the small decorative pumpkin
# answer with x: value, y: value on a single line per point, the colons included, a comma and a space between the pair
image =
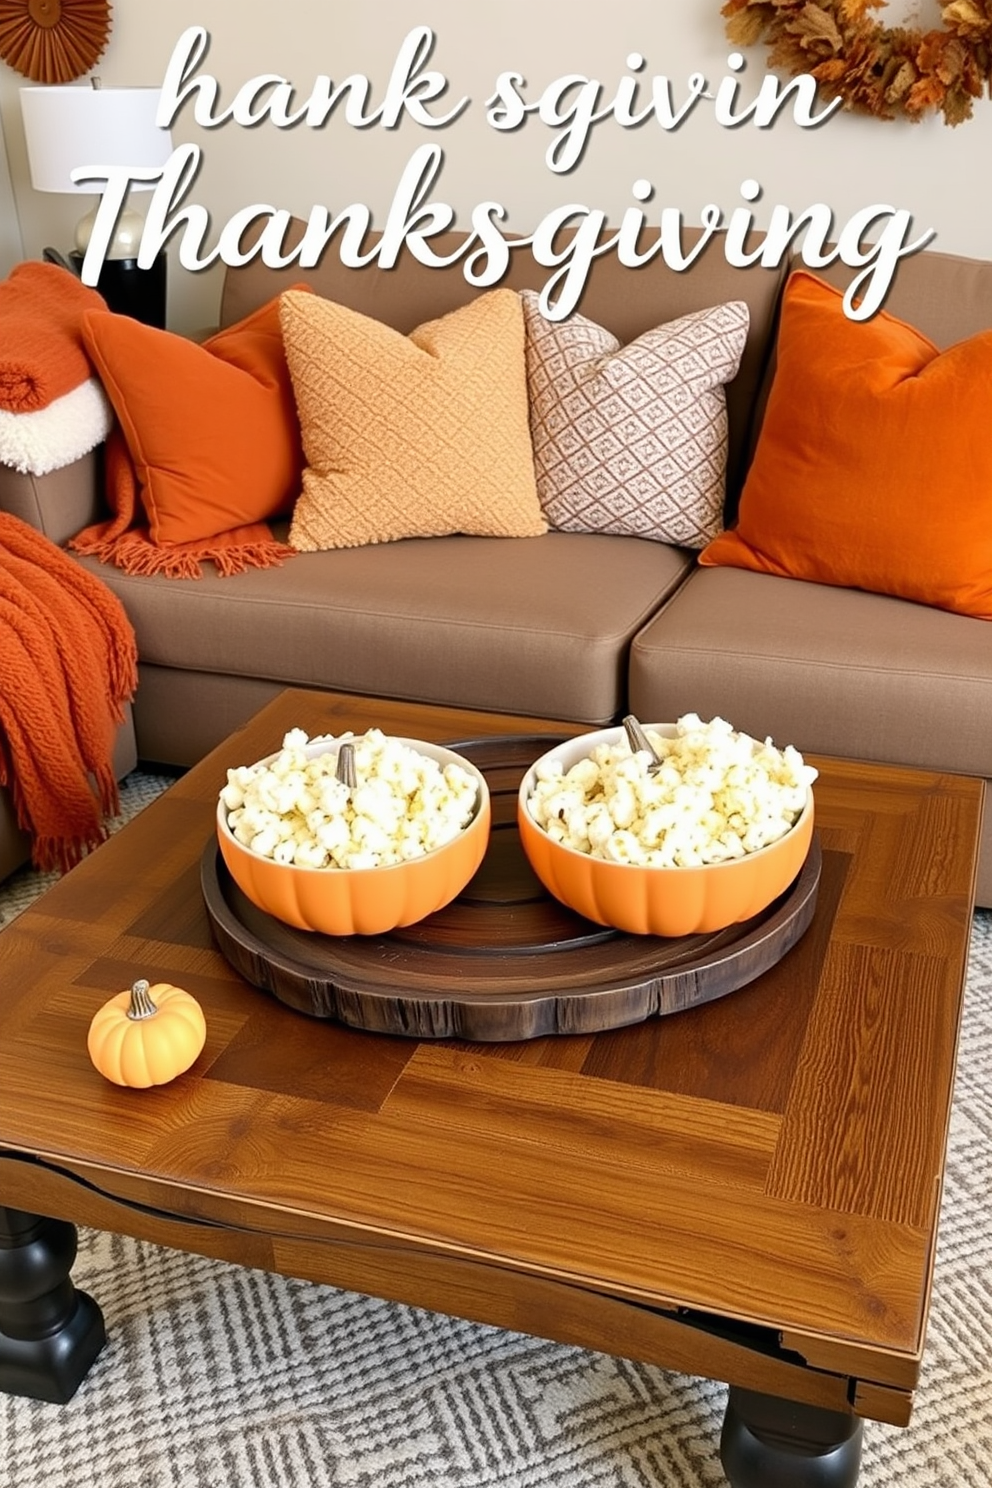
x: 146, y: 1036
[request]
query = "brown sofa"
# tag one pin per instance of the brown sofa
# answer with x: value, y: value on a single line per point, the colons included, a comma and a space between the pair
x: 567, y: 625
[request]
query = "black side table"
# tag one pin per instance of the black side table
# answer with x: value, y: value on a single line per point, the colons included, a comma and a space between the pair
x: 129, y: 290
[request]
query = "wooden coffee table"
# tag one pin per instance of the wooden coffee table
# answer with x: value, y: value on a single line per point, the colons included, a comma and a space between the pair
x: 748, y: 1190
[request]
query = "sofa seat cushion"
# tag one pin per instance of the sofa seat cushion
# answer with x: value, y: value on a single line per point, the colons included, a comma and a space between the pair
x: 538, y: 625
x: 833, y: 671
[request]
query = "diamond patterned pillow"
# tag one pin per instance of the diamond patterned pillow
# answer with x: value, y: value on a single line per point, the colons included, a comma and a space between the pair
x: 410, y: 436
x: 633, y: 439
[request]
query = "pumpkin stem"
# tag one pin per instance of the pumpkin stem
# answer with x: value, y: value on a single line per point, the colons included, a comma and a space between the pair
x: 141, y: 1005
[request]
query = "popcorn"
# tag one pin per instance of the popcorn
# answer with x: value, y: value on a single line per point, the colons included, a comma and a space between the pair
x: 295, y: 811
x: 718, y: 795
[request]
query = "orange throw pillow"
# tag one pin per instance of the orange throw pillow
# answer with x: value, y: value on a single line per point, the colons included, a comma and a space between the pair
x: 212, y: 429
x: 873, y: 468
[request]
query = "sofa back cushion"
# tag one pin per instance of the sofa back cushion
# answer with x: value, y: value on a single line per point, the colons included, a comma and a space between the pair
x: 626, y: 302
x: 945, y: 296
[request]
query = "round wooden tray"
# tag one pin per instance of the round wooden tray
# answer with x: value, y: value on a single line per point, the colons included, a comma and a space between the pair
x: 505, y: 960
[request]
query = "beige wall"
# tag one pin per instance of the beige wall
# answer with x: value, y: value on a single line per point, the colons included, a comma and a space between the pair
x: 11, y: 249
x: 850, y: 162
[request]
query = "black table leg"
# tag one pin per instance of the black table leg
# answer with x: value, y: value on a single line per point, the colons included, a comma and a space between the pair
x: 49, y: 1333
x: 772, y: 1443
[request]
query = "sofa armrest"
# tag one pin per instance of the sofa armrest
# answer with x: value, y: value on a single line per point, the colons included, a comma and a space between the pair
x: 59, y: 504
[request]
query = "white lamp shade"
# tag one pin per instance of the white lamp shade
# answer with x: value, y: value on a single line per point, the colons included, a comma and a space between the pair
x: 69, y: 127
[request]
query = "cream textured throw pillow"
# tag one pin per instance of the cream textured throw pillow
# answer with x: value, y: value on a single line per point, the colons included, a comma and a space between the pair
x: 410, y: 436
x: 633, y: 439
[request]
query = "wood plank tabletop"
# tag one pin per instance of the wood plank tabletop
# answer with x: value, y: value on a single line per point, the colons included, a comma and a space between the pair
x: 772, y: 1159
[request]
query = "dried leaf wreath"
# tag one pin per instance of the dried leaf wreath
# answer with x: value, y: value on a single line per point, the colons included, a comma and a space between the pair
x: 891, y: 72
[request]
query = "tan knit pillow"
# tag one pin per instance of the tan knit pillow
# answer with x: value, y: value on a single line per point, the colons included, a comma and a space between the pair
x: 410, y: 436
x: 633, y: 439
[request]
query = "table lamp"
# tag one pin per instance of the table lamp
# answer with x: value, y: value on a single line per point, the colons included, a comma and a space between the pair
x: 72, y: 126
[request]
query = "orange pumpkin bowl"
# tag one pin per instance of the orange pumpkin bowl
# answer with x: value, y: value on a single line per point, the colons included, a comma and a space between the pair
x: 362, y: 901
x: 654, y: 900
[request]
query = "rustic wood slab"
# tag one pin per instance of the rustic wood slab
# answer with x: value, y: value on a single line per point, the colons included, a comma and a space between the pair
x: 505, y: 960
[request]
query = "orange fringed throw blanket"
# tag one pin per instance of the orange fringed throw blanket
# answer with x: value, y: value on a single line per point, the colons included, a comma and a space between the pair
x: 68, y: 663
x: 125, y: 541
x: 41, y: 348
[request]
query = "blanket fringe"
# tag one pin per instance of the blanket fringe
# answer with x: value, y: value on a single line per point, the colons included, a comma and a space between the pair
x: 107, y: 790
x: 136, y: 555
x: 59, y: 854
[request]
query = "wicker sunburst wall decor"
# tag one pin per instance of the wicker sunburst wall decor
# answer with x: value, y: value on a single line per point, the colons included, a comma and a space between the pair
x: 53, y: 41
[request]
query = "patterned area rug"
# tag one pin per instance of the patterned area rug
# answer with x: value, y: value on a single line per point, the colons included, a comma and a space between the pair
x: 221, y: 1377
